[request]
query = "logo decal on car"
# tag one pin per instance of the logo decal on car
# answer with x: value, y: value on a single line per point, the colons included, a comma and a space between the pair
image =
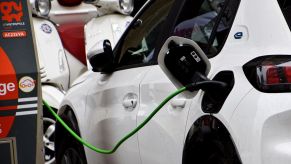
x: 238, y: 35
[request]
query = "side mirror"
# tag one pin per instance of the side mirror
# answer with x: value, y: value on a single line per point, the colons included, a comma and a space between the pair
x: 183, y: 61
x: 100, y: 57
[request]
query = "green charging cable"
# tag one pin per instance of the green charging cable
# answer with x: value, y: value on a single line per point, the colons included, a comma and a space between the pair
x: 106, y: 151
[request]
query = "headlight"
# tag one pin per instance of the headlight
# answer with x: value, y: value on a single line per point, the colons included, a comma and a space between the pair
x: 126, y: 6
x: 41, y: 7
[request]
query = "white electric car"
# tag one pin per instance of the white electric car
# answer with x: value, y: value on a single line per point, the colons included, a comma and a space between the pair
x: 248, y: 45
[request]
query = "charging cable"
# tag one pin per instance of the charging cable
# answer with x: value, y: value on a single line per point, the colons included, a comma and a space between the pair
x: 204, y: 85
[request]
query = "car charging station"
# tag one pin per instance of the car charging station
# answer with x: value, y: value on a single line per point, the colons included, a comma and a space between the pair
x: 20, y: 102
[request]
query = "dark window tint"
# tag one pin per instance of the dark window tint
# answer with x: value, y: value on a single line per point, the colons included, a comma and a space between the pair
x: 138, y: 46
x: 207, y: 22
x: 137, y: 6
x: 285, y: 6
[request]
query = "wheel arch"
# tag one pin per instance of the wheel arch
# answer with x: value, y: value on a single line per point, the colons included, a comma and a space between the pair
x: 205, y: 129
x: 66, y: 113
x: 68, y: 116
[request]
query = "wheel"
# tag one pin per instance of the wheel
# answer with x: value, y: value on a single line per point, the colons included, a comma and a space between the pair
x: 68, y: 149
x: 49, y: 136
x: 48, y: 140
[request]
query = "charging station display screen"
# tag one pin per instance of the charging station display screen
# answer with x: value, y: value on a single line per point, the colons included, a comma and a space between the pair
x: 18, y: 80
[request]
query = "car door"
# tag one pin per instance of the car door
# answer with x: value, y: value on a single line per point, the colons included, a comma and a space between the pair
x: 113, y: 101
x: 162, y: 140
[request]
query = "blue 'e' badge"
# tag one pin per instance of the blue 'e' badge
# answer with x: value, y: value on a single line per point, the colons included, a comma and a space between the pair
x: 238, y: 35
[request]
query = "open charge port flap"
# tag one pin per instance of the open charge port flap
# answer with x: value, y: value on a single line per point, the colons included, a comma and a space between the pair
x: 213, y: 100
x: 7, y: 151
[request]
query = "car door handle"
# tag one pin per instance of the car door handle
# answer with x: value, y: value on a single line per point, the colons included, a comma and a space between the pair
x: 130, y: 101
x: 178, y: 103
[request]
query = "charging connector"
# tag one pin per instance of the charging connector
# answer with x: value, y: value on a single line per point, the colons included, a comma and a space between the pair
x: 207, y: 85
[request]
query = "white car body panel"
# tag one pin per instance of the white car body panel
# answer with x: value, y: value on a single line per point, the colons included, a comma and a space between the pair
x: 112, y: 113
x: 263, y: 133
x: 164, y: 134
x: 52, y: 95
x: 78, y: 102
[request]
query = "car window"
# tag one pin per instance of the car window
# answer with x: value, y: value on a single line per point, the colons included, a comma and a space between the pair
x: 207, y: 22
x: 138, y: 46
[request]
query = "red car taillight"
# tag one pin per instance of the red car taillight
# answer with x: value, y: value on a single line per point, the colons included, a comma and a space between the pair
x: 288, y: 73
x: 270, y: 73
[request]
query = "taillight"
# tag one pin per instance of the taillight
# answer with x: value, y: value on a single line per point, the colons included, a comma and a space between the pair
x: 288, y: 73
x: 270, y: 73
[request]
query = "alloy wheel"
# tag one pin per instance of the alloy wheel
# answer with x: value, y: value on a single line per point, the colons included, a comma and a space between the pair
x: 48, y: 140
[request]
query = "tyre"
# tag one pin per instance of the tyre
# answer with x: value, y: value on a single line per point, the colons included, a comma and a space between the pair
x: 68, y: 149
x: 72, y: 156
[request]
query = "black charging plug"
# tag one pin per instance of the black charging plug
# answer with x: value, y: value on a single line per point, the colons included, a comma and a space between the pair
x: 207, y: 85
x: 202, y: 82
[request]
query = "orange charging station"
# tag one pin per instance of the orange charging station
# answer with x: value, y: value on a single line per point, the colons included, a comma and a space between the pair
x: 20, y: 93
